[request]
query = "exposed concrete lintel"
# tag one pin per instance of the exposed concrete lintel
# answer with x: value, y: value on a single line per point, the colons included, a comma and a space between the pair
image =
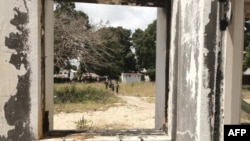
x: 149, y: 3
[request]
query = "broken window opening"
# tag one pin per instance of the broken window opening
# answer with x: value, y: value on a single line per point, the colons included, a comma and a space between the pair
x: 138, y: 131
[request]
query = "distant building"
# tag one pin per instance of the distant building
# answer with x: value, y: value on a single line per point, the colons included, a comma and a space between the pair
x: 66, y: 74
x: 247, y: 72
x: 144, y: 76
x: 90, y: 77
x: 131, y: 77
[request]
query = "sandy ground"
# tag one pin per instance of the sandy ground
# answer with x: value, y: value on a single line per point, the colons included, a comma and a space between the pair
x: 135, y: 114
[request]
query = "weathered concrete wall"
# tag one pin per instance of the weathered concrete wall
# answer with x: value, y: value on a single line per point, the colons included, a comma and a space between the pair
x: 151, y: 3
x: 198, y: 67
x: 195, y: 71
x: 161, y: 67
x: 19, y: 70
x: 49, y: 62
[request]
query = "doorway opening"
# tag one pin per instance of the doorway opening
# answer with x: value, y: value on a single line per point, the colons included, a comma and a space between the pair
x: 82, y: 120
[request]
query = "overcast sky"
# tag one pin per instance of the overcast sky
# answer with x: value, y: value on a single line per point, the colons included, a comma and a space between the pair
x: 129, y: 17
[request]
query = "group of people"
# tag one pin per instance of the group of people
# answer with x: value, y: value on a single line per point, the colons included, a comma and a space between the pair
x: 109, y: 84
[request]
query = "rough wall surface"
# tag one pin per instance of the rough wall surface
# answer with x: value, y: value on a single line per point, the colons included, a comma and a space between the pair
x: 16, y: 34
x: 152, y: 3
x: 195, y: 70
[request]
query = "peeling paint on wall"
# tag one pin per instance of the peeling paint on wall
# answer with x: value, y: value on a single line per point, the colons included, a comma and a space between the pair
x: 210, y: 44
x: 17, y: 108
x: 188, y: 44
x: 214, y: 77
x: 198, y: 80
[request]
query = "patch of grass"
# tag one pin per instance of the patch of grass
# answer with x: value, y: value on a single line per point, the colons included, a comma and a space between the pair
x: 80, y: 97
x: 246, y: 92
x: 245, y: 116
x: 74, y: 93
x: 84, y: 124
x: 140, y: 89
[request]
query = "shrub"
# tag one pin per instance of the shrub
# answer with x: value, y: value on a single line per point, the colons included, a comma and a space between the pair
x: 74, y: 94
x: 151, y: 74
x: 83, y: 124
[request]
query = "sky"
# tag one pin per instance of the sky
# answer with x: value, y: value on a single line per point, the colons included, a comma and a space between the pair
x: 129, y: 17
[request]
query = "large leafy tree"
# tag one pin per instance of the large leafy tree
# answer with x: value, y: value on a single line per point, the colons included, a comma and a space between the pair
x: 101, y: 49
x: 144, y: 43
x: 69, y: 28
x: 126, y: 56
x: 119, y: 57
x: 75, y: 38
x: 145, y: 46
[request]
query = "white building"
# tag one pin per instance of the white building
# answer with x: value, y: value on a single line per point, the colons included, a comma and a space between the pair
x: 131, y: 77
x: 66, y: 74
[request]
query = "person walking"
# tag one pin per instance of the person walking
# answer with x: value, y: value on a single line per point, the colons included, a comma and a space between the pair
x: 117, y: 87
x: 106, y: 83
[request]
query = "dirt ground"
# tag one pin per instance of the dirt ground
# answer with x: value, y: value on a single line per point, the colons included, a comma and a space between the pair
x: 245, y: 117
x: 136, y: 113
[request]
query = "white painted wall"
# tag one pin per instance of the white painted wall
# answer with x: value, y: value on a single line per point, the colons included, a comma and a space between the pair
x: 233, y: 51
x: 130, y: 77
x: 9, y: 74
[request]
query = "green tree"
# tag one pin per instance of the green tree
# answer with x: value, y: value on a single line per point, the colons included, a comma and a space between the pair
x: 118, y: 56
x: 69, y: 28
x: 68, y: 7
x: 100, y: 49
x: 145, y: 48
x: 127, y: 57
x: 75, y: 38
